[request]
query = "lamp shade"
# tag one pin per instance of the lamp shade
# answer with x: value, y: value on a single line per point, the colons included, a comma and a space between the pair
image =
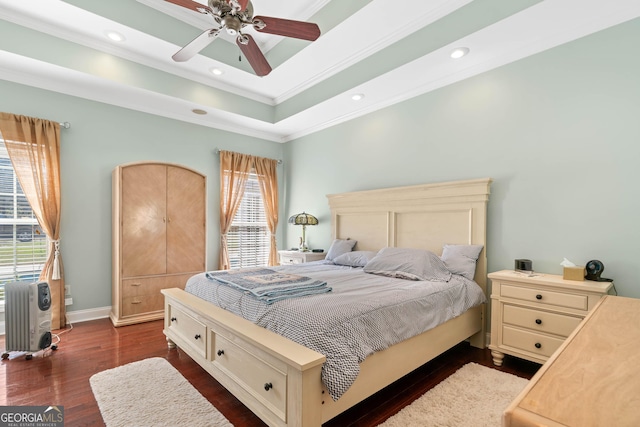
x: 303, y: 219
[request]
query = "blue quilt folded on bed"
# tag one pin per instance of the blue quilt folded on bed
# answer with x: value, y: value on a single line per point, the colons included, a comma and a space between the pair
x: 269, y: 285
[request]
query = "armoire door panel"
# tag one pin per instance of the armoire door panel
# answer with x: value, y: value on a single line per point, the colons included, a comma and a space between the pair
x: 144, y: 216
x: 186, y: 221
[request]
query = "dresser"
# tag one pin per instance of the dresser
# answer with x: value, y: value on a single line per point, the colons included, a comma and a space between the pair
x: 593, y: 379
x: 533, y: 314
x: 297, y: 257
x: 159, y: 216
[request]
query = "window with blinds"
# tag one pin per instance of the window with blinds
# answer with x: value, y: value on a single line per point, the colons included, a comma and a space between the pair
x: 23, y: 245
x: 248, y: 239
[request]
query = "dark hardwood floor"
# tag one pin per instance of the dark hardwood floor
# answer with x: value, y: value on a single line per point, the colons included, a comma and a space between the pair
x: 62, y: 377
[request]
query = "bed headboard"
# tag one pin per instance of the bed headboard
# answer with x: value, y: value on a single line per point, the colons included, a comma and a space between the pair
x: 423, y: 216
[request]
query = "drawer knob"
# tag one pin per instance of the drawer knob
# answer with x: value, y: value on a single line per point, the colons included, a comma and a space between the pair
x: 173, y: 319
x: 539, y: 321
x: 197, y: 336
x: 268, y: 386
x: 538, y: 296
x: 220, y: 352
x: 538, y: 345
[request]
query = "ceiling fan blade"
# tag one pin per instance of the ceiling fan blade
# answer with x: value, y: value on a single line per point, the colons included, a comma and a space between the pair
x: 253, y: 54
x: 189, y: 4
x: 286, y: 27
x: 196, y: 45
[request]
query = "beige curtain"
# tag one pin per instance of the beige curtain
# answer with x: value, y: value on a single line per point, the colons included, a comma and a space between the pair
x: 34, y: 148
x: 234, y: 172
x: 268, y: 179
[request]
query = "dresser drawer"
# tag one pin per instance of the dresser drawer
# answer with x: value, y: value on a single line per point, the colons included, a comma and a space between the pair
x: 288, y: 260
x: 537, y: 320
x: 191, y: 330
x: 140, y: 304
x: 152, y: 285
x: 263, y: 380
x: 531, y: 342
x: 542, y: 296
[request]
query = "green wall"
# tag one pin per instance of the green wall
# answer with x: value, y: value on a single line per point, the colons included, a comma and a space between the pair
x: 559, y: 133
x: 100, y: 138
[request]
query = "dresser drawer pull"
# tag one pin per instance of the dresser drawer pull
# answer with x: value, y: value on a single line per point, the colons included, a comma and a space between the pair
x: 538, y: 345
x: 136, y: 302
x: 220, y: 352
x: 173, y: 319
x: 197, y: 336
x: 135, y: 284
x: 538, y: 321
x: 538, y: 296
x: 268, y: 386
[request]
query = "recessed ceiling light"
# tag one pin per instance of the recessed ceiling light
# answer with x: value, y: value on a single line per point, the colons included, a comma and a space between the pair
x: 357, y: 97
x: 115, y: 36
x: 199, y: 111
x: 459, y: 52
x: 216, y: 71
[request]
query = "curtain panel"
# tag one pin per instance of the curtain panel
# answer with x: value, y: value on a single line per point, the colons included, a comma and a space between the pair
x: 33, y: 146
x: 234, y: 172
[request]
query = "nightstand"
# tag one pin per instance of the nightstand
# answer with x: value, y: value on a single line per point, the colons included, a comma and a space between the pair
x: 532, y: 315
x: 296, y: 257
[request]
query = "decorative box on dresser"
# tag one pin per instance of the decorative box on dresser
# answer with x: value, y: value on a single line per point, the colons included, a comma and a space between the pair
x: 159, y: 239
x: 532, y: 314
x: 298, y: 257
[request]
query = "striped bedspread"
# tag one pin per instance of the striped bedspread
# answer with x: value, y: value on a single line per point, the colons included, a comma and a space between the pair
x: 363, y: 313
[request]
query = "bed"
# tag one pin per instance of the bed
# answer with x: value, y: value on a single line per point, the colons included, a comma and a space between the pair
x: 279, y: 379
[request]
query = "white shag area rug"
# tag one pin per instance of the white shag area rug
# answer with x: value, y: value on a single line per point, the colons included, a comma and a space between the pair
x: 152, y: 393
x: 474, y: 396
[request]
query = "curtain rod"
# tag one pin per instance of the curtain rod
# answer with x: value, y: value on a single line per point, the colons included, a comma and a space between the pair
x: 65, y: 125
x: 217, y: 151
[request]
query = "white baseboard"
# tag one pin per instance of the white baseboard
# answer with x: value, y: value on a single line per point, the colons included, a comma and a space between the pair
x: 78, y: 316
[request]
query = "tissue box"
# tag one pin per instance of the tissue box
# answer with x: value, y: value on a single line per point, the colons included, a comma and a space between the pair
x: 573, y: 273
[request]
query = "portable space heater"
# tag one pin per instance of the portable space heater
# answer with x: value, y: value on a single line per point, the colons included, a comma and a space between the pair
x: 27, y: 317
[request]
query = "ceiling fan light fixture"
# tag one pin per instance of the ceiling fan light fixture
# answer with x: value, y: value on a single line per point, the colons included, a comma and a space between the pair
x: 232, y: 24
x: 114, y: 36
x: 459, y: 52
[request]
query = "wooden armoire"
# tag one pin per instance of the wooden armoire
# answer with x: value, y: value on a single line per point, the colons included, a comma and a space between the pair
x: 159, y: 236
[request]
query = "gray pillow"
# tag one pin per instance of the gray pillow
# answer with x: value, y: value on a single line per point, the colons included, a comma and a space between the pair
x: 339, y: 247
x: 406, y: 263
x: 355, y: 258
x: 461, y: 259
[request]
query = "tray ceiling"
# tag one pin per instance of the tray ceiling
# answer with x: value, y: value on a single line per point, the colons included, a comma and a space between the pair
x: 388, y: 54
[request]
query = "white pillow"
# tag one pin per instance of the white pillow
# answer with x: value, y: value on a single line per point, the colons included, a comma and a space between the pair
x: 461, y: 259
x: 339, y: 247
x: 355, y: 258
x: 406, y: 263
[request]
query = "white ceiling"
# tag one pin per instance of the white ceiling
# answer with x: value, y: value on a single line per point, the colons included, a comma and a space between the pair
x: 388, y: 51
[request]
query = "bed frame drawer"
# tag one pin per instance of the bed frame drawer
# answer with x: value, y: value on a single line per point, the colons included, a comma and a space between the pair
x: 192, y: 331
x: 265, y: 381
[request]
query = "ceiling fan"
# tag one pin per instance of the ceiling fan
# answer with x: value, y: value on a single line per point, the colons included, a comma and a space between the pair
x: 232, y: 16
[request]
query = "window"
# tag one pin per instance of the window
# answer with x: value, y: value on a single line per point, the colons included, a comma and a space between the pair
x: 23, y: 245
x: 248, y: 239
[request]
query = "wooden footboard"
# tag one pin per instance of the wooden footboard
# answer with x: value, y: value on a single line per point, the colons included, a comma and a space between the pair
x: 278, y: 379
